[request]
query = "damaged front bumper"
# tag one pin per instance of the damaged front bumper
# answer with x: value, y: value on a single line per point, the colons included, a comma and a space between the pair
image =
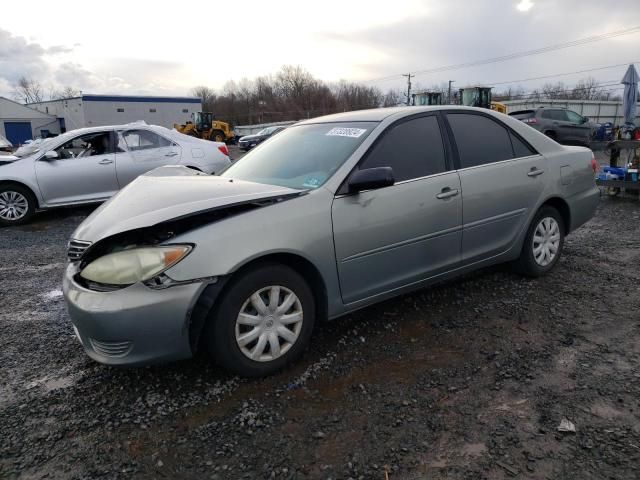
x: 136, y: 325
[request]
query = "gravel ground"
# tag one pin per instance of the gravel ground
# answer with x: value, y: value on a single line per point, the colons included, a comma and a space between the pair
x: 466, y: 380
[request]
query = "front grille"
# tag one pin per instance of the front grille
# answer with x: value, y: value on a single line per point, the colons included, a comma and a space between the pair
x: 76, y: 248
x: 111, y: 349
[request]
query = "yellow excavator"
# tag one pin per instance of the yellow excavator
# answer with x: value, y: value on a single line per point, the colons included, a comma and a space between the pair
x: 204, y: 125
x: 479, y: 97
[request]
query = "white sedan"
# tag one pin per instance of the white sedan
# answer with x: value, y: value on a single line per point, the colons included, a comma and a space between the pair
x: 91, y: 164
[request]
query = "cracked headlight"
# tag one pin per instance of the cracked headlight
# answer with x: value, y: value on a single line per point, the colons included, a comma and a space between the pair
x: 135, y: 265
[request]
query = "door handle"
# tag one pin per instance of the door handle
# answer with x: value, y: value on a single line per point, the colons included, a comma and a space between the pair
x: 105, y: 161
x: 447, y: 192
x: 170, y: 154
x: 534, y: 172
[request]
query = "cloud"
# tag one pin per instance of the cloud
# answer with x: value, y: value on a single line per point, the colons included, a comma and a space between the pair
x: 49, y: 66
x: 459, y: 32
x: 58, y: 49
x: 20, y: 57
x: 525, y: 5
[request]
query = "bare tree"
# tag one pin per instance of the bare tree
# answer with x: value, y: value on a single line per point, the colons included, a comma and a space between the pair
x: 511, y: 93
x: 66, y: 92
x: 207, y: 95
x: 554, y: 91
x: 587, y: 89
x: 292, y: 93
x: 392, y: 98
x: 28, y: 90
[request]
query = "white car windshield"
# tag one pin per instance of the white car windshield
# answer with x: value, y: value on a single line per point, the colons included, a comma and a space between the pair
x: 301, y: 157
x: 39, y: 145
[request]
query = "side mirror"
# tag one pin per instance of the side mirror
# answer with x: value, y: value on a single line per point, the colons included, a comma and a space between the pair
x: 370, y: 179
x: 585, y: 119
x: 51, y: 155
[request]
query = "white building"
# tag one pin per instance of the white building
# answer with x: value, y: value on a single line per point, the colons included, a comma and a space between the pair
x: 98, y: 110
x: 19, y: 122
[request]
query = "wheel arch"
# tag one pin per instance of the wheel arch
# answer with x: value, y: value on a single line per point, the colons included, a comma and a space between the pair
x: 22, y: 185
x: 210, y: 296
x: 563, y: 208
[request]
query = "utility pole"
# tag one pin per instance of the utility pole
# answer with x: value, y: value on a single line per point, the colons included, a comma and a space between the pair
x: 408, y: 75
x: 449, y: 99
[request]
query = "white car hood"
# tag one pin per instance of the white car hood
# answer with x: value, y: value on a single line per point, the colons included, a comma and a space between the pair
x: 170, y: 193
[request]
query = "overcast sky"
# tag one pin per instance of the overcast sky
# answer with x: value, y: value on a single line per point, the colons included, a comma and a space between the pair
x: 157, y: 48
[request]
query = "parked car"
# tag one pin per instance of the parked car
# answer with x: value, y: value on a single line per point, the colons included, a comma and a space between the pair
x: 5, y: 145
x: 91, y: 164
x: 562, y: 125
x: 332, y: 215
x: 249, y: 141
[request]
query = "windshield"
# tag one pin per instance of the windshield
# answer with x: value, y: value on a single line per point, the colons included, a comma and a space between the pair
x: 266, y: 131
x: 41, y: 145
x: 303, y: 156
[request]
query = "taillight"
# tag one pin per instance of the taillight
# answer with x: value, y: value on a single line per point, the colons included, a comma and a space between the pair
x: 594, y: 164
x: 530, y: 120
x: 224, y: 149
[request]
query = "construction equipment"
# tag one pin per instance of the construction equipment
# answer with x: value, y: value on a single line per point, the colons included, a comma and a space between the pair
x: 426, y: 98
x: 480, y: 97
x: 204, y: 125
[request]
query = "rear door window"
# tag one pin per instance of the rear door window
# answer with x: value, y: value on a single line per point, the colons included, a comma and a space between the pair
x: 413, y: 149
x: 144, y: 140
x: 557, y: 115
x: 479, y: 139
x: 520, y: 149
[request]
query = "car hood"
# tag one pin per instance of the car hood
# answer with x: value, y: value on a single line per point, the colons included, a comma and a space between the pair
x: 167, y: 194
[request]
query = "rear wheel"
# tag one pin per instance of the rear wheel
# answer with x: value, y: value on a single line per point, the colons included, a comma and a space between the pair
x: 552, y: 135
x: 263, y: 321
x: 17, y: 205
x: 543, y: 245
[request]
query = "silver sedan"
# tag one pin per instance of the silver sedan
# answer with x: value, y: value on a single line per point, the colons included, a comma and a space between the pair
x: 91, y: 164
x: 331, y: 215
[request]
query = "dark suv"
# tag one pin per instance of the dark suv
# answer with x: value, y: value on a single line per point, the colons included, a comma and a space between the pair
x: 564, y: 126
x: 249, y: 141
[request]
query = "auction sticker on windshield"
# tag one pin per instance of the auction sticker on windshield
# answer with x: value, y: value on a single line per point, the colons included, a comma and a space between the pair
x: 346, y: 132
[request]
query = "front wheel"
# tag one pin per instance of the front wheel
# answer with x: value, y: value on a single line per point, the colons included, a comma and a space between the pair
x: 263, y: 321
x: 218, y: 136
x: 543, y: 244
x: 17, y: 205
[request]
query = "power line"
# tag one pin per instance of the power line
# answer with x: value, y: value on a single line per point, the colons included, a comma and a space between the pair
x: 563, y: 74
x: 526, y: 53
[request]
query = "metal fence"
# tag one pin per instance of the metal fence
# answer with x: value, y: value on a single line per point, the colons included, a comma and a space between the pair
x: 598, y: 111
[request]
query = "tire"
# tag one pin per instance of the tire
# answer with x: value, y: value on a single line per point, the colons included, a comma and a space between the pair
x: 552, y: 135
x: 530, y: 262
x: 217, y: 136
x: 232, y: 343
x: 17, y: 205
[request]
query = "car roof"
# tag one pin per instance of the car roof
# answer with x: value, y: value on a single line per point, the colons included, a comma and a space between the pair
x: 380, y: 114
x: 142, y: 124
